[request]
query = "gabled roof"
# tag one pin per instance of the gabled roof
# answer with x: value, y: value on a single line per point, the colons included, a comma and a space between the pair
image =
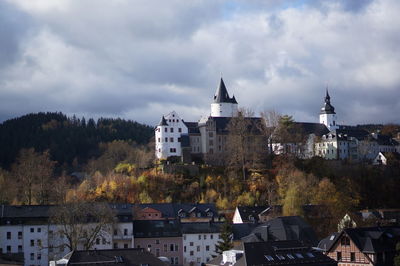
x: 131, y: 256
x: 163, y: 122
x: 247, y: 211
x: 366, y: 239
x: 222, y: 96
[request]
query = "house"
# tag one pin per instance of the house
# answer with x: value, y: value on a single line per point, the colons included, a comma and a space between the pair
x: 186, y: 212
x: 383, y: 158
x: 162, y: 238
x: 291, y: 252
x: 131, y: 256
x: 199, y: 242
x: 362, y: 245
x: 205, y: 139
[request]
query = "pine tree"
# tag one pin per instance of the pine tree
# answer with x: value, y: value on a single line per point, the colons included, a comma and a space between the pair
x: 226, y: 238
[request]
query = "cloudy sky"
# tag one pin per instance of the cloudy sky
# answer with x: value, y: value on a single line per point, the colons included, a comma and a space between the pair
x: 144, y: 58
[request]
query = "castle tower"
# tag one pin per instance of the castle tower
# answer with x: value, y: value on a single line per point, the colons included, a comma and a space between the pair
x: 328, y: 115
x: 223, y: 105
x: 169, y: 134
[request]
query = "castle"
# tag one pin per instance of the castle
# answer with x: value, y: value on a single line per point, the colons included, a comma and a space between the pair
x: 207, y: 138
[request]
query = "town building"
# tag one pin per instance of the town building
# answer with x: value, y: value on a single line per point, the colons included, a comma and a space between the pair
x: 362, y: 245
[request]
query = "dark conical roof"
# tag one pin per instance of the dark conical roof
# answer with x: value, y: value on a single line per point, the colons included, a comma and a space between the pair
x: 222, y: 96
x: 163, y: 122
x: 327, y: 108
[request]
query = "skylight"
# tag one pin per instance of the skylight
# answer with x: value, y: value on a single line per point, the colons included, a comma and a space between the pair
x: 290, y: 256
x: 299, y: 256
x: 280, y: 257
x: 332, y: 237
x: 269, y: 258
x: 309, y: 254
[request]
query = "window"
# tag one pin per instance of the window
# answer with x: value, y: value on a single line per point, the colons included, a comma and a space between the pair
x: 198, y: 248
x: 39, y: 242
x: 352, y: 256
x: 39, y: 230
x: 309, y: 254
x: 339, y: 256
x: 211, y: 236
x: 157, y: 252
x: 125, y: 232
x: 19, y: 235
x: 172, y: 130
x: 176, y: 247
x: 179, y: 139
x: 32, y: 243
x: 176, y: 260
x: 207, y: 248
x: 299, y: 256
x: 20, y: 248
x: 103, y: 240
x: 171, y: 247
x: 125, y: 245
x: 184, y: 248
x: 115, y: 232
x: 191, y: 244
x: 159, y: 139
x: 269, y: 258
x: 39, y: 256
x: 166, y: 139
x: 205, y: 237
x: 171, y: 139
x: 8, y: 249
x: 172, y: 260
x: 8, y: 235
x: 165, y: 247
x: 191, y: 253
x: 166, y: 129
x: 179, y: 130
x: 198, y: 260
x: 32, y: 229
x: 345, y: 241
x: 290, y: 256
x: 172, y: 150
x: 32, y: 256
x: 199, y: 237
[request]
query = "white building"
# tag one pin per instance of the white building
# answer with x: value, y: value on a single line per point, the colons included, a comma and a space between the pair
x: 26, y: 229
x: 199, y: 242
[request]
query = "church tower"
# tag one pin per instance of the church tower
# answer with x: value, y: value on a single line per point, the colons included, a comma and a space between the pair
x: 223, y: 105
x: 328, y: 115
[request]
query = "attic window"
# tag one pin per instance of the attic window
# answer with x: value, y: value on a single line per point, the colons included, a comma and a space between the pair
x: 290, y: 256
x: 280, y: 257
x: 269, y: 258
x: 299, y: 256
x: 309, y: 254
x: 332, y: 237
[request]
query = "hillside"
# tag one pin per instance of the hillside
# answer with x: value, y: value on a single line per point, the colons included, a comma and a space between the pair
x: 65, y: 137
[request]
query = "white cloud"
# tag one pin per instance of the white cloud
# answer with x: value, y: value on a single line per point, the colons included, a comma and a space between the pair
x: 141, y: 59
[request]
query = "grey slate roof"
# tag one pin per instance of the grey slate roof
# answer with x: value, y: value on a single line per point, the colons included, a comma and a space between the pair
x: 156, y: 228
x: 193, y: 127
x: 221, y: 124
x: 171, y: 210
x: 199, y: 228
x: 131, y: 256
x: 290, y: 252
x: 284, y: 228
x: 311, y: 128
x: 241, y: 230
x: 163, y: 122
x: 327, y: 108
x: 222, y: 96
x: 250, y: 211
x: 367, y: 239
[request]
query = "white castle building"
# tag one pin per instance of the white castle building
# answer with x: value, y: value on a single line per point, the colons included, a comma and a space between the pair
x: 204, y: 139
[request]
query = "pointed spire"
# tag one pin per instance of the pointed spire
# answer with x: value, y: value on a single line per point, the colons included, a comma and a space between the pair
x: 327, y: 108
x: 327, y: 97
x: 163, y: 122
x: 222, y: 96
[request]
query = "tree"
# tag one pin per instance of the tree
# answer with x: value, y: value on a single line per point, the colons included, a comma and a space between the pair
x: 33, y: 172
x: 81, y: 223
x: 226, y: 238
x: 245, y: 143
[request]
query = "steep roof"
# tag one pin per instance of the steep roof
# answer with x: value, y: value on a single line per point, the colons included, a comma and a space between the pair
x: 241, y: 230
x: 327, y: 108
x: 171, y: 210
x: 193, y: 127
x: 221, y: 124
x: 163, y: 122
x: 222, y: 96
x: 253, y: 211
x: 131, y: 256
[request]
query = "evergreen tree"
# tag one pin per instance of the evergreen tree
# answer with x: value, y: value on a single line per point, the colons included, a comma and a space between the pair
x: 226, y: 238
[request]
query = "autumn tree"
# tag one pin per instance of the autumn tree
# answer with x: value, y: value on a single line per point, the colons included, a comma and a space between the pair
x: 81, y: 223
x: 270, y: 123
x: 33, y: 172
x: 245, y: 143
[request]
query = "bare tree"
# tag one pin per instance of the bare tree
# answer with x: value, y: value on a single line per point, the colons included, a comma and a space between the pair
x: 81, y: 223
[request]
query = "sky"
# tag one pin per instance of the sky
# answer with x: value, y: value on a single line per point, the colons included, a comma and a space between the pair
x: 140, y: 59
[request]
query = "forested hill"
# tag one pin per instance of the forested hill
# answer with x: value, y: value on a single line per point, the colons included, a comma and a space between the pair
x: 65, y: 137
